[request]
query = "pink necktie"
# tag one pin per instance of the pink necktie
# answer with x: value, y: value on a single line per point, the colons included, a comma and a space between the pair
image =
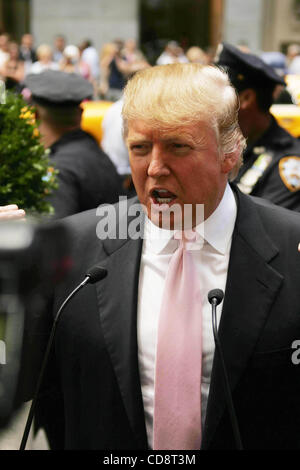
x: 177, y: 402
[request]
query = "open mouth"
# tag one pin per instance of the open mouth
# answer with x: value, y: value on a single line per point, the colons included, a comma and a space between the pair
x: 162, y: 196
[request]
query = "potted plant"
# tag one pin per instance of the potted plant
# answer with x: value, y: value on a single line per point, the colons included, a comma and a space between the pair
x: 26, y: 176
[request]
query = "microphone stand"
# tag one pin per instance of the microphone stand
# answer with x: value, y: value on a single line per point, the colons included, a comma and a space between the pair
x: 235, y: 427
x: 44, y: 364
x: 95, y: 274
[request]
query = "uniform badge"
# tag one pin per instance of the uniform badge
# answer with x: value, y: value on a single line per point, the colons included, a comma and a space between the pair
x: 259, y: 150
x: 251, y: 177
x: 289, y: 170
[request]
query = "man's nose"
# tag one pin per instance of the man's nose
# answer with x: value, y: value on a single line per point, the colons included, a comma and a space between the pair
x: 158, y: 165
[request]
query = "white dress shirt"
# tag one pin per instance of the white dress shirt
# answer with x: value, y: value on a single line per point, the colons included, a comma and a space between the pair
x: 211, y: 259
x: 112, y: 141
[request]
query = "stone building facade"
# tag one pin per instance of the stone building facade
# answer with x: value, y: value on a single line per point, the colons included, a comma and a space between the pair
x: 97, y: 20
x: 262, y: 24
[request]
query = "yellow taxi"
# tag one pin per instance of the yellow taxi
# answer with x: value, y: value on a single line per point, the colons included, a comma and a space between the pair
x: 92, y: 116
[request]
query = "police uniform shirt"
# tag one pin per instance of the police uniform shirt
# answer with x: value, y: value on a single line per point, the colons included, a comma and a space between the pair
x: 271, y: 168
x: 86, y: 176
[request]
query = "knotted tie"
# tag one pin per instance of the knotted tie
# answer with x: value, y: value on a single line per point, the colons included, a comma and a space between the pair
x: 177, y: 403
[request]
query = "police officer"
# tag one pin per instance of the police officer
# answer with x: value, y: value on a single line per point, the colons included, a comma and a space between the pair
x: 271, y: 167
x: 86, y: 176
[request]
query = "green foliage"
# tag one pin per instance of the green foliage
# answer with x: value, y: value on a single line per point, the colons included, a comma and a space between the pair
x: 26, y: 176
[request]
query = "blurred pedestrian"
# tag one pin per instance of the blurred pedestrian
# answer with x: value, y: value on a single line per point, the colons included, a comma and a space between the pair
x: 113, y: 71
x: 116, y: 68
x: 27, y: 51
x: 293, y: 50
x: 13, y: 69
x: 89, y: 55
x: 4, y: 53
x: 59, y: 47
x: 294, y: 65
x: 45, y: 60
x: 172, y: 54
x: 72, y: 63
x: 132, y: 55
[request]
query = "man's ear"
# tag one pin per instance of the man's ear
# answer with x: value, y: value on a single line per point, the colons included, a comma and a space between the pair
x: 231, y: 160
x: 247, y: 98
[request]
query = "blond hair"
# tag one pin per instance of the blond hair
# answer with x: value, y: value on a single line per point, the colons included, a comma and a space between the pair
x: 44, y: 50
x: 177, y: 95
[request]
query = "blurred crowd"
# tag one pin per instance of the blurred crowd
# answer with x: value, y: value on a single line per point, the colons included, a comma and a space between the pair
x: 109, y: 68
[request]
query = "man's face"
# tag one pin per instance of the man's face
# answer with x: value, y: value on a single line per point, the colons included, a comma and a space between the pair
x: 247, y: 113
x: 27, y: 41
x: 4, y: 41
x: 59, y: 43
x: 179, y: 166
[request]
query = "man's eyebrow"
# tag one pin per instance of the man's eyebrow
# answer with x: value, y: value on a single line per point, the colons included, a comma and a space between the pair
x: 137, y: 139
x: 170, y: 137
x: 188, y: 138
x: 179, y: 138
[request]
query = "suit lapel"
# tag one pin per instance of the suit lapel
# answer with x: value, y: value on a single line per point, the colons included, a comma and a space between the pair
x: 117, y: 300
x: 252, y: 285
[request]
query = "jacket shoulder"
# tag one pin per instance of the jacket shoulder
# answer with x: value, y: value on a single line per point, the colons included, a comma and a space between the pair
x: 278, y: 221
x: 82, y: 227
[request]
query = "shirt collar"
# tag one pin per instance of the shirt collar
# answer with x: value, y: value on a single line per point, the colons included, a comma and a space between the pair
x: 219, y: 226
x: 158, y: 240
x: 216, y: 230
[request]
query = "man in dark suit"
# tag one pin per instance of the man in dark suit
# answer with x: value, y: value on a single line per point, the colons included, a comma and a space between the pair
x: 27, y: 51
x: 184, y: 143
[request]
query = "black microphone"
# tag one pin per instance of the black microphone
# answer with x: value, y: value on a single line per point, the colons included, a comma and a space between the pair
x: 93, y: 275
x: 215, y: 297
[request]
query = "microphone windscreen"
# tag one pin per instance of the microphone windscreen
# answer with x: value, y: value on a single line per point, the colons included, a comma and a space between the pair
x: 96, y: 273
x: 217, y: 294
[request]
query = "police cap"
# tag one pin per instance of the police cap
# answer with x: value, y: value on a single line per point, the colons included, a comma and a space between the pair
x: 56, y: 88
x: 246, y: 70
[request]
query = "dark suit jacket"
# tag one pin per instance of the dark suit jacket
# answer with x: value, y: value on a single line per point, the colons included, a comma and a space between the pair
x: 96, y: 393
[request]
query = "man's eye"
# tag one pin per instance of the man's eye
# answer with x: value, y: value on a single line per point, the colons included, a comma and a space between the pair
x: 178, y: 147
x: 140, y: 149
